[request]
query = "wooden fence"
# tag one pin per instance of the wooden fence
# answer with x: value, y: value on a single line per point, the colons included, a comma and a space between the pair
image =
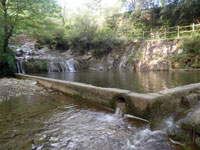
x: 164, y: 33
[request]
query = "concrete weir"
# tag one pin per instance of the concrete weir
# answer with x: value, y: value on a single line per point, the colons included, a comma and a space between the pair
x: 142, y: 105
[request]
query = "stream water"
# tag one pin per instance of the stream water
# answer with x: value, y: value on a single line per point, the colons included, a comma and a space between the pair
x: 57, y: 122
x: 142, y: 82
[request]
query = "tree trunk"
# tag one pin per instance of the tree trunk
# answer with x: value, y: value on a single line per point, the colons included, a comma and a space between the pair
x: 5, y: 44
x: 6, y: 38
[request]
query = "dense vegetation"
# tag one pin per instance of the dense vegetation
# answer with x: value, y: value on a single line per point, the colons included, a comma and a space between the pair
x: 93, y: 28
x: 189, y: 56
x: 88, y: 32
x: 19, y: 17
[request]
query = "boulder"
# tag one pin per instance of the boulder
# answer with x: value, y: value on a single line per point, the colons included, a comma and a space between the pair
x: 176, y: 133
x: 190, y: 99
x: 192, y: 121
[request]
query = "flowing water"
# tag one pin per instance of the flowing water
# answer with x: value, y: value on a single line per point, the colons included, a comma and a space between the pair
x: 141, y: 82
x: 70, y: 64
x: 57, y: 122
x: 19, y: 64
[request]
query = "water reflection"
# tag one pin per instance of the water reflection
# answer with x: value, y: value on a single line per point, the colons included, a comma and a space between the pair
x: 141, y: 82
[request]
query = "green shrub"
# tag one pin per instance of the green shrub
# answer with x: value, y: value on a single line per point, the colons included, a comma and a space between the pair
x: 104, y: 42
x: 6, y: 64
x: 192, y: 45
x: 190, y: 57
x: 6, y: 60
x: 45, y: 66
x: 37, y: 66
x: 1, y: 39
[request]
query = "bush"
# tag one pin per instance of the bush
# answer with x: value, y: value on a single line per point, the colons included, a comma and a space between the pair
x: 6, y: 65
x: 190, y: 57
x: 1, y: 39
x: 51, y: 33
x: 192, y: 45
x: 81, y: 34
x: 104, y: 42
x: 6, y: 60
x: 85, y: 36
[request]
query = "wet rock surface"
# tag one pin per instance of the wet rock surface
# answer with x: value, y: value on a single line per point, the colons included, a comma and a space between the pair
x: 178, y: 134
x: 192, y: 121
x: 32, y: 60
x: 138, y: 55
x: 11, y: 87
x: 187, y: 129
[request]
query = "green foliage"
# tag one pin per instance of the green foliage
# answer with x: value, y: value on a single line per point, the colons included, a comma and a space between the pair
x: 21, y: 17
x: 104, y: 42
x: 190, y: 57
x: 148, y: 14
x: 85, y: 36
x: 192, y: 45
x: 37, y: 66
x: 6, y: 64
x: 45, y: 66
x: 51, y: 33
x: 1, y: 40
x: 187, y: 147
x: 81, y: 34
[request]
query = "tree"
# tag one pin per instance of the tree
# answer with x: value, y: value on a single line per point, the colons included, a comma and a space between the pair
x: 15, y: 12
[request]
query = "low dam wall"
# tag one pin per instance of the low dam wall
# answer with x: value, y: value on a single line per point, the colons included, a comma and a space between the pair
x: 142, y: 105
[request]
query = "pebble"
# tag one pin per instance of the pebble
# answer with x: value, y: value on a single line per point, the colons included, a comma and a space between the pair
x: 11, y: 87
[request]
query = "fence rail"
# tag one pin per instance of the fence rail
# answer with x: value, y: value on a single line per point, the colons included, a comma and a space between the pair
x: 165, y: 33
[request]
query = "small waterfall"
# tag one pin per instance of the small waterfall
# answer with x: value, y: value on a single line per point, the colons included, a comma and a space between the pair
x: 120, y: 109
x: 53, y: 68
x: 19, y: 64
x: 70, y: 64
x: 64, y: 66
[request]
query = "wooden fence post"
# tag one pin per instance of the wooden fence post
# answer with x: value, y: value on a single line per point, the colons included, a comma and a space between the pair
x: 193, y: 27
x: 178, y: 32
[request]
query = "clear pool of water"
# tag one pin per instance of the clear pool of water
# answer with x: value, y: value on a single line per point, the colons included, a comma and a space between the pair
x: 142, y: 82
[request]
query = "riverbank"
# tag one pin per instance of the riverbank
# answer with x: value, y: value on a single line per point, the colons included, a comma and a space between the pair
x: 11, y: 87
x: 133, y: 55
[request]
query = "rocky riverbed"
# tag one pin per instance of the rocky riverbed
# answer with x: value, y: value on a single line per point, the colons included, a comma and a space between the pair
x: 11, y: 87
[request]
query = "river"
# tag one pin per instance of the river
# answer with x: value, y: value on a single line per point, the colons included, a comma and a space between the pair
x: 57, y: 122
x: 141, y: 82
